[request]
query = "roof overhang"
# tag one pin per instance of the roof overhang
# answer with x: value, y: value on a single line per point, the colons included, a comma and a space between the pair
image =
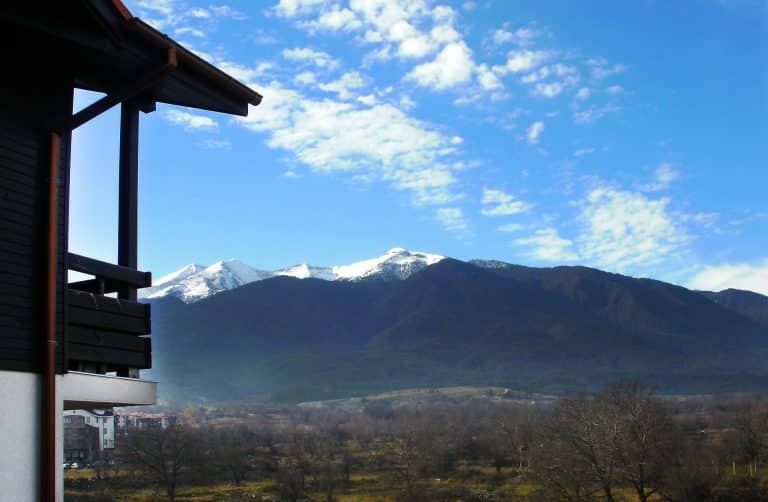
x: 104, y: 46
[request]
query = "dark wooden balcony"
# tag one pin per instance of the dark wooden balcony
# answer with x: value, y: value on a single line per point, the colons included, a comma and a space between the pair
x: 104, y: 333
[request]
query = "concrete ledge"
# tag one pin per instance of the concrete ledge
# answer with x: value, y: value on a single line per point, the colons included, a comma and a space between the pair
x: 88, y: 391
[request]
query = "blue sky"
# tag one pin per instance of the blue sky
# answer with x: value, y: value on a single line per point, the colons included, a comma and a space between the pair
x: 625, y: 136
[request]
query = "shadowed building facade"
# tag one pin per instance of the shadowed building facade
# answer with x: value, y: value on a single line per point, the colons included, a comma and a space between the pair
x: 74, y: 345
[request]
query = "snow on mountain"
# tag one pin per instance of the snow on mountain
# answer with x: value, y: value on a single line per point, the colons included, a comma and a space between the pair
x: 191, y: 287
x: 195, y: 282
x: 304, y: 271
x: 180, y: 274
x: 397, y: 263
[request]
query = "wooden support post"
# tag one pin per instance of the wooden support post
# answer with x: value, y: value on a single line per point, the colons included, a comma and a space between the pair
x: 127, y: 245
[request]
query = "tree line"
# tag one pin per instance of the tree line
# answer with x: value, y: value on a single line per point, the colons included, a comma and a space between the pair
x: 623, y: 443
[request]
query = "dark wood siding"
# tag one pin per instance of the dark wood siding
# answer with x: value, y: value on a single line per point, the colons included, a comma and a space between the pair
x: 24, y: 164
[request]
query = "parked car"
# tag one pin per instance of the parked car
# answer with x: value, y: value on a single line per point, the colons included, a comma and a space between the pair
x: 74, y: 465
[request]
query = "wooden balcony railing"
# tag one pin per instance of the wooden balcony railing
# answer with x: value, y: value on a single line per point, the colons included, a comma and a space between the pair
x: 103, y: 333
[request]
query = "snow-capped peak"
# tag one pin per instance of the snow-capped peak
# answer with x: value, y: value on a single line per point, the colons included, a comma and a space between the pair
x: 221, y: 276
x: 304, y: 271
x: 179, y: 275
x: 195, y: 282
x: 397, y: 263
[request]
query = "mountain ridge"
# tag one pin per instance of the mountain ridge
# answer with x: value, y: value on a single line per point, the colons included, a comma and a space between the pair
x: 192, y: 283
x: 453, y: 323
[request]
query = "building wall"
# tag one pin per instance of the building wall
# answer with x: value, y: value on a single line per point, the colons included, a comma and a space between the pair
x: 104, y: 422
x: 20, y: 440
x: 24, y: 187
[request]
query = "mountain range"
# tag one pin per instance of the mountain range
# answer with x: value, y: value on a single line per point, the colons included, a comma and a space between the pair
x: 408, y: 319
x: 193, y: 282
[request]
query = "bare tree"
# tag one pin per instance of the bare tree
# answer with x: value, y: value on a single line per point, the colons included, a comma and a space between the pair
x: 163, y: 454
x: 647, y: 436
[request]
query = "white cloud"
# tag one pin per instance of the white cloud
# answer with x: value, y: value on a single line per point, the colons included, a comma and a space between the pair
x: 511, y: 227
x: 345, y: 85
x: 452, y: 219
x: 663, y: 176
x: 602, y: 69
x: 451, y: 67
x: 368, y: 99
x: 622, y: 229
x: 520, y: 61
x: 189, y: 121
x: 227, y: 11
x: 748, y: 276
x: 593, y: 113
x: 614, y: 89
x: 487, y: 79
x: 187, y: 30
x: 583, y: 151
x: 469, y: 6
x: 376, y: 143
x: 165, y: 14
x: 305, y: 78
x: 534, y: 132
x: 200, y: 13
x: 406, y: 103
x: 547, y: 245
x: 521, y: 36
x: 407, y: 29
x: 548, y: 90
x: 499, y: 203
x: 318, y: 58
x: 290, y: 8
x: 583, y: 93
x: 335, y: 19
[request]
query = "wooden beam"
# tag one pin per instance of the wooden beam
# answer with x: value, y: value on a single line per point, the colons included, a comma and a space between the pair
x: 128, y: 228
x: 107, y: 304
x: 108, y: 321
x: 112, y: 356
x: 125, y: 275
x: 107, y: 339
x: 125, y: 93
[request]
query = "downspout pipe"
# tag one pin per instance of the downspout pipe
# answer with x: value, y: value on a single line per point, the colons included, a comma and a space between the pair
x: 49, y: 408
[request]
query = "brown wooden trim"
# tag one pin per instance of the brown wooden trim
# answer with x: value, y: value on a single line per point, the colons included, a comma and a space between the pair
x: 106, y: 304
x: 98, y: 268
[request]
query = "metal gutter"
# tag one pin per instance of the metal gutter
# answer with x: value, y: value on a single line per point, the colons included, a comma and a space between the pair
x: 48, y: 433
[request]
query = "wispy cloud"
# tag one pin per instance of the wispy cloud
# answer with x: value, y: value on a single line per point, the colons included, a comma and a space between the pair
x: 593, y: 113
x: 452, y: 66
x: 346, y: 85
x: 616, y: 230
x: 319, y: 59
x: 499, y: 203
x: 534, y: 132
x: 521, y: 36
x: 453, y: 220
x: 663, y: 176
x: 622, y: 229
x: 190, y: 121
x: 748, y: 276
x: 547, y: 245
x: 583, y: 151
x: 379, y: 142
x: 601, y: 68
x: 511, y: 227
